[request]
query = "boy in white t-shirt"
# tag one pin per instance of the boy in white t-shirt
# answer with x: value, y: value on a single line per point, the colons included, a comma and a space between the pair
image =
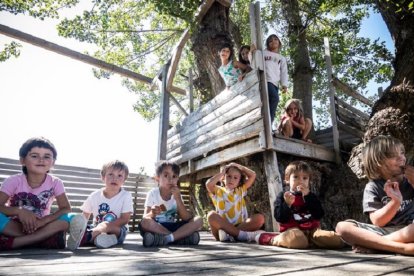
x: 166, y: 219
x: 111, y: 207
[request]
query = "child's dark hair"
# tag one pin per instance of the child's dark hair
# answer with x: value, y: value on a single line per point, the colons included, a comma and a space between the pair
x: 298, y: 166
x: 240, y: 55
x: 163, y: 164
x: 270, y: 37
x: 39, y: 142
x: 228, y: 45
x: 115, y: 165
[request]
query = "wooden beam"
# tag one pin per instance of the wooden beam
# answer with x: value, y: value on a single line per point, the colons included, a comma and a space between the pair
x: 361, y: 114
x: 332, y: 100
x: 190, y: 93
x: 178, y: 105
x: 79, y: 56
x: 164, y: 117
x: 349, y: 91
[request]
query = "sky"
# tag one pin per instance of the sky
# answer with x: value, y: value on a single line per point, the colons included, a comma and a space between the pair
x: 90, y: 121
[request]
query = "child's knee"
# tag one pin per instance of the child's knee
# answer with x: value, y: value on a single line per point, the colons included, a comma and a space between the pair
x: 146, y: 224
x: 292, y: 238
x: 343, y: 226
x: 4, y: 220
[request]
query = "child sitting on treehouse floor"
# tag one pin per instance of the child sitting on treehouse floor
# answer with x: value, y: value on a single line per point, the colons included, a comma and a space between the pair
x: 293, y: 123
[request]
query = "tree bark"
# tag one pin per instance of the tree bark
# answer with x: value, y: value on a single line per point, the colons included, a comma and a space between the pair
x: 213, y: 31
x: 302, y: 72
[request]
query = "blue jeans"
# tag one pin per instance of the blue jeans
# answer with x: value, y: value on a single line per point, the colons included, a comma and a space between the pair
x: 273, y: 92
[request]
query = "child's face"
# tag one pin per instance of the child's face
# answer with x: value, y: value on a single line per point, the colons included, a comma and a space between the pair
x: 393, y: 168
x: 297, y: 179
x: 292, y: 110
x: 114, y: 178
x: 225, y: 53
x: 38, y: 160
x: 168, y: 179
x: 245, y: 54
x: 233, y: 178
x: 274, y: 44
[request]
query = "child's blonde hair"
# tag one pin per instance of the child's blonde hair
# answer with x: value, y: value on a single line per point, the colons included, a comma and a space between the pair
x: 115, y: 165
x: 242, y: 176
x: 376, y: 151
x: 297, y: 166
x: 298, y: 104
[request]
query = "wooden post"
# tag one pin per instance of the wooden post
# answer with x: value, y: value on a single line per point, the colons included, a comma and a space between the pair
x: 332, y: 100
x: 380, y: 91
x: 164, y: 116
x: 190, y: 90
x: 271, y: 166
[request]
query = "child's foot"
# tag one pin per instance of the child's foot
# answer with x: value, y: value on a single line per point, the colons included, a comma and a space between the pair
x: 105, y: 241
x: 6, y: 242
x: 251, y: 236
x: 307, y: 140
x: 153, y: 239
x: 265, y: 238
x: 57, y: 241
x: 77, y: 228
x: 192, y: 239
x: 363, y: 250
x: 224, y: 237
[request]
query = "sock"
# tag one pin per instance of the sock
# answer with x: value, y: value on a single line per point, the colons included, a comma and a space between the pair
x: 242, y: 236
x: 169, y: 238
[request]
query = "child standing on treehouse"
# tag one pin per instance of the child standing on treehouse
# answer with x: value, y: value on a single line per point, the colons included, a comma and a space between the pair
x: 388, y: 200
x: 244, y: 54
x: 231, y: 70
x: 298, y: 212
x: 293, y: 123
x: 26, y: 200
x: 230, y: 221
x: 110, y: 206
x: 166, y: 219
x: 276, y: 71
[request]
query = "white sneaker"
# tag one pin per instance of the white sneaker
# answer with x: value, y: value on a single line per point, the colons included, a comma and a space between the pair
x: 251, y: 236
x: 105, y: 241
x: 224, y: 237
x: 77, y: 227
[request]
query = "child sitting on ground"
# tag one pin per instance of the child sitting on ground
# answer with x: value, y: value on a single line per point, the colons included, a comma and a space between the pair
x: 166, y: 219
x: 111, y: 207
x: 388, y: 200
x: 230, y: 220
x: 293, y: 123
x: 26, y: 200
x: 298, y: 212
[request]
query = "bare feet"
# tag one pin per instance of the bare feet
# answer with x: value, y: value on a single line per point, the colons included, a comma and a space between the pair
x: 363, y: 250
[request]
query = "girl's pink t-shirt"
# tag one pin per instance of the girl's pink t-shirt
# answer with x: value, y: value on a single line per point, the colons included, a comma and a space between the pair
x: 37, y: 200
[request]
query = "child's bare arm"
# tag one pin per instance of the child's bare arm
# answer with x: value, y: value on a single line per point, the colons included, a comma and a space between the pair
x: 212, y: 182
x: 384, y: 215
x: 300, y: 124
x: 86, y: 215
x: 122, y: 220
x: 409, y: 174
x: 181, y: 209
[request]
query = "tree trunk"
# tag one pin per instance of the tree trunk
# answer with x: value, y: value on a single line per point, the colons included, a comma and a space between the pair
x: 302, y: 73
x: 213, y: 32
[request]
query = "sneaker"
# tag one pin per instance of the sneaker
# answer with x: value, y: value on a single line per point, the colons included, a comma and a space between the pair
x: 252, y: 235
x: 77, y: 228
x: 56, y: 241
x: 6, y: 242
x: 153, y: 239
x: 265, y: 238
x: 105, y: 241
x: 192, y: 239
x: 224, y: 237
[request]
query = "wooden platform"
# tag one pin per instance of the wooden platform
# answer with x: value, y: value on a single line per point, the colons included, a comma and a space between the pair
x: 208, y: 258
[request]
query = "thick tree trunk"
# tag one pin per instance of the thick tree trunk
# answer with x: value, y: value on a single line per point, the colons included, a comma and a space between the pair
x: 213, y: 32
x: 401, y: 26
x: 302, y: 73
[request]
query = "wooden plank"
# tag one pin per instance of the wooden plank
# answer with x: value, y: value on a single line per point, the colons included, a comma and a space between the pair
x: 243, y: 149
x: 352, y: 109
x: 78, y: 56
x: 190, y: 93
x: 332, y: 100
x: 219, y: 142
x: 353, y: 131
x: 221, y: 99
x: 297, y: 147
x: 349, y: 91
x: 164, y: 119
x: 229, y: 111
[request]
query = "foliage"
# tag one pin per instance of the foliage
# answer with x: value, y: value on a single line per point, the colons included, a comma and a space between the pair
x: 37, y: 8
x: 10, y: 50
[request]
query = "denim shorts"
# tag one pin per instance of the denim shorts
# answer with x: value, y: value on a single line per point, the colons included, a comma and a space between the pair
x: 170, y: 226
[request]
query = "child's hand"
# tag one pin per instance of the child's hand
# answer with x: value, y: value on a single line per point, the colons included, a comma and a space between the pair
x: 253, y: 48
x: 289, y: 198
x: 409, y: 174
x: 28, y: 220
x: 155, y: 211
x: 176, y: 193
x: 303, y: 189
x: 392, y: 189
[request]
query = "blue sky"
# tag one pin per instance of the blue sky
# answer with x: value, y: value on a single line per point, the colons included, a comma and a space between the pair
x: 90, y: 121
